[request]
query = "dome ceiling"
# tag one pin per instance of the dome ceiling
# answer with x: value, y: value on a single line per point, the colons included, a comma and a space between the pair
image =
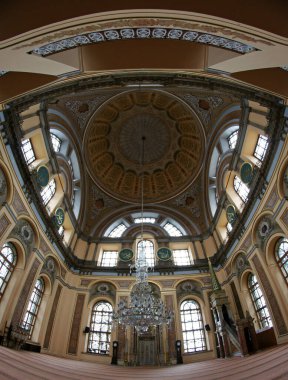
x: 173, y: 146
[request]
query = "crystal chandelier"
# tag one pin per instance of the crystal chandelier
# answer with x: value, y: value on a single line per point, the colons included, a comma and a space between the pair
x: 144, y: 309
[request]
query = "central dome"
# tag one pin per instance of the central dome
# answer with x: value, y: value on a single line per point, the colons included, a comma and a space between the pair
x: 173, y: 146
x: 156, y: 133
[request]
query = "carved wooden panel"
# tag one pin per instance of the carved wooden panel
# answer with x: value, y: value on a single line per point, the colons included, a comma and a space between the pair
x: 270, y: 297
x: 76, y: 324
x: 19, y: 310
x: 52, y: 317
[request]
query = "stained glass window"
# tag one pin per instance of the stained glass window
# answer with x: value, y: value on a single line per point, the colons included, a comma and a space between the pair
x: 192, y: 326
x: 100, y: 328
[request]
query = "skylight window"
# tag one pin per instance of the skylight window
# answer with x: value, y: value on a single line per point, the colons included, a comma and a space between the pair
x: 118, y: 231
x: 144, y: 220
x: 181, y: 257
x: 232, y: 139
x: 28, y: 151
x: 172, y: 230
x: 56, y: 142
x: 261, y: 147
x: 109, y: 259
x: 241, y: 189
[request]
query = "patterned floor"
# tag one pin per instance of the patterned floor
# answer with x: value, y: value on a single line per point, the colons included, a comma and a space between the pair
x: 267, y: 365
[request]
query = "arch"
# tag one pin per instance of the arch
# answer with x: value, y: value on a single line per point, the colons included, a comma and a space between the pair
x: 35, y: 229
x: 9, y: 182
x: 282, y: 179
x: 281, y: 256
x: 255, y: 225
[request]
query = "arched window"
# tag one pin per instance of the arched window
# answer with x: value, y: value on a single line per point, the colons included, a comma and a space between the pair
x: 259, y: 303
x: 148, y: 247
x: 100, y: 328
x: 33, y: 306
x: 241, y: 189
x: 192, y: 326
x: 56, y: 142
x: 28, y: 151
x: 232, y: 139
x: 48, y: 192
x: 7, y: 264
x: 282, y: 256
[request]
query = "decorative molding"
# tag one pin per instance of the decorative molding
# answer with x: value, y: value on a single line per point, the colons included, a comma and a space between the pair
x: 159, y: 33
x: 44, y: 247
x: 20, y: 306
x: 272, y: 198
x: 52, y: 317
x: 83, y: 110
x: 247, y: 243
x: 63, y: 272
x: 4, y: 224
x: 18, y: 204
x: 76, y: 323
x: 124, y: 284
x: 284, y: 218
x: 167, y: 283
x: 204, y: 106
x: 228, y: 268
x: 85, y: 282
x: 270, y: 297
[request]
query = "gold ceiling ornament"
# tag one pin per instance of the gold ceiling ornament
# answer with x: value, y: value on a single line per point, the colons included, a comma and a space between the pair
x: 174, y: 146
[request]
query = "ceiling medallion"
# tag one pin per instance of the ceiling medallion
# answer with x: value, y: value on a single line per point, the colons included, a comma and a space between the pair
x: 173, y: 153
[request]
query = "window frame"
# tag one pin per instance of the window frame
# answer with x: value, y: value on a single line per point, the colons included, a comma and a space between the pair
x: 259, y: 302
x: 29, y: 158
x: 282, y: 261
x: 100, y: 332
x: 9, y: 265
x: 30, y: 316
x: 175, y: 259
x: 261, y: 149
x: 150, y: 260
x: 111, y: 259
x: 241, y: 189
x: 232, y: 145
x: 197, y: 315
x: 48, y: 192
x: 56, y: 142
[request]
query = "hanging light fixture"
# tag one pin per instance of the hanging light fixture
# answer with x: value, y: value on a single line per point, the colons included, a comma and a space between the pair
x: 144, y: 309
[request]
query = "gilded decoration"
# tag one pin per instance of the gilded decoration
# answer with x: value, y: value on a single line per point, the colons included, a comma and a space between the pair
x: 147, y: 22
x: 173, y: 151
